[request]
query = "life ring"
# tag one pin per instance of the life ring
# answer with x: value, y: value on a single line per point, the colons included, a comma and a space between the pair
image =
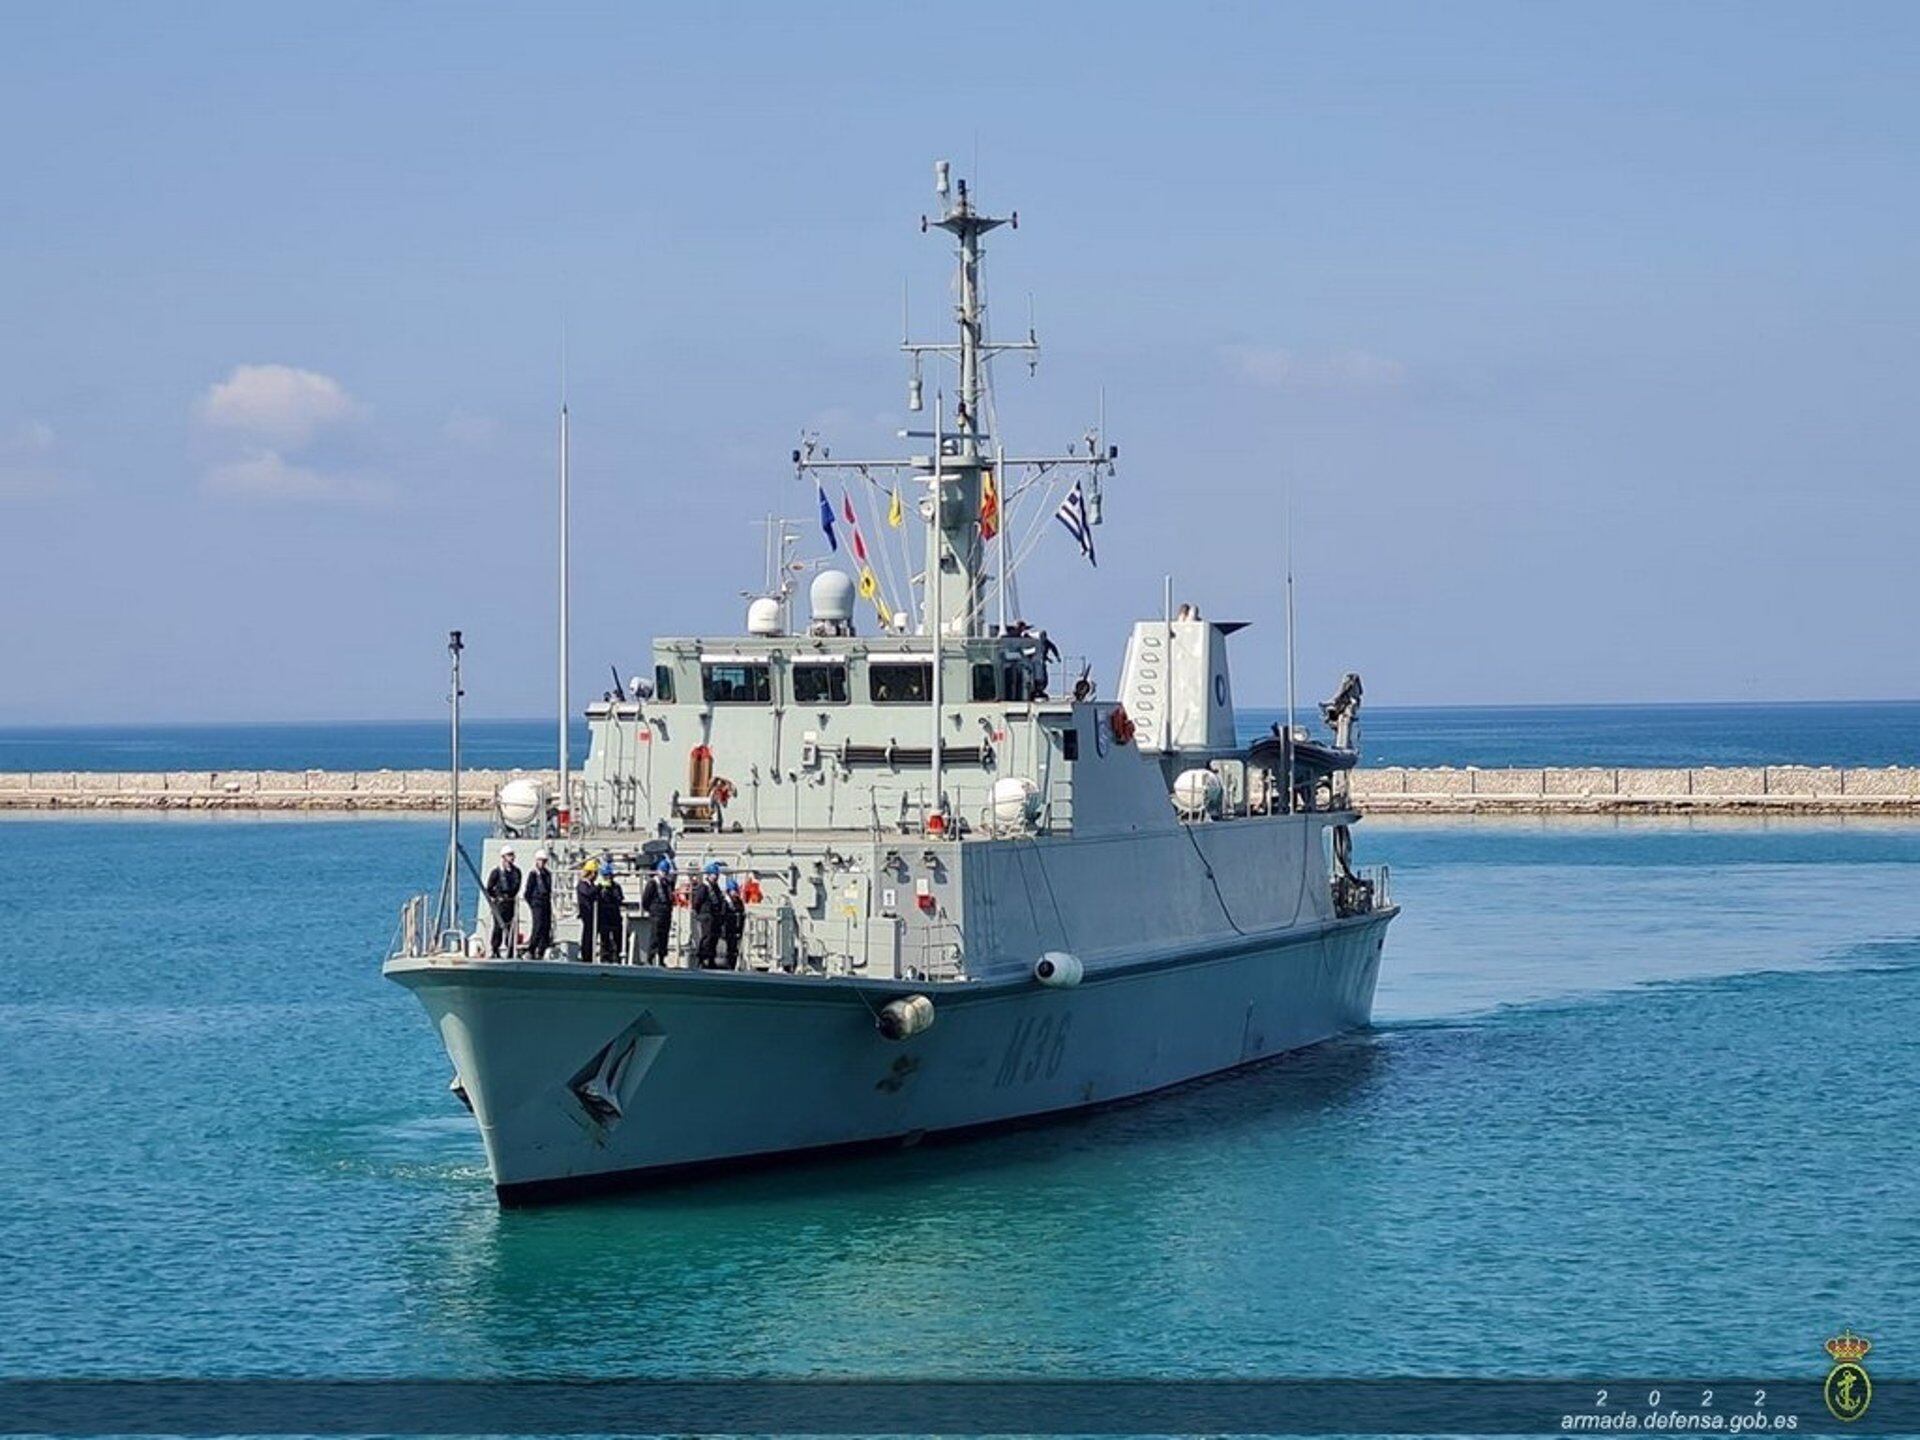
x: 1121, y: 724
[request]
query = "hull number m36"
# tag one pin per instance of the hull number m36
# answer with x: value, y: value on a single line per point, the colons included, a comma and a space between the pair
x: 1034, y: 1050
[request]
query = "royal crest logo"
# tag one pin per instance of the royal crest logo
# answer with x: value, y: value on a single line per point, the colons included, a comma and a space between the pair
x: 1848, y: 1391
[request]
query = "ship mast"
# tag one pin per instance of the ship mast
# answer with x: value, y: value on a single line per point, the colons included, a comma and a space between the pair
x: 565, y: 804
x: 451, y: 887
x: 955, y: 549
x: 954, y: 543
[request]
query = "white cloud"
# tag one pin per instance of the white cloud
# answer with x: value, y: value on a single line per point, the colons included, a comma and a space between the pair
x: 276, y: 412
x: 1280, y: 369
x: 267, y: 475
x: 26, y: 462
x: 276, y: 404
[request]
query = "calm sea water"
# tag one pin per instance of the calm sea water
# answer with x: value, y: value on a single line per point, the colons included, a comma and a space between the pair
x: 1811, y: 734
x: 1641, y: 1098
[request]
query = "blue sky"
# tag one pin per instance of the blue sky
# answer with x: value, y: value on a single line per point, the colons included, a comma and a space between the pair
x: 1583, y: 337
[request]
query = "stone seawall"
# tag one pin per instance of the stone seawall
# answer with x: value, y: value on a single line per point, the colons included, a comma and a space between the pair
x: 1771, y: 789
x: 1760, y: 789
x: 314, y: 790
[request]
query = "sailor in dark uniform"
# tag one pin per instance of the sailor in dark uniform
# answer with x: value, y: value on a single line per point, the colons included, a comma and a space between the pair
x: 586, y: 900
x: 706, y: 916
x: 503, y: 892
x: 733, y: 924
x: 656, y: 903
x: 539, y: 897
x: 612, y: 916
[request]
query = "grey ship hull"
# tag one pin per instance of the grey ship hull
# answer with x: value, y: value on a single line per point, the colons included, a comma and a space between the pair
x: 586, y: 1077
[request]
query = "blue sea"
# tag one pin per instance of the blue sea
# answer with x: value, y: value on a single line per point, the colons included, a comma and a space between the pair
x: 1640, y: 1098
x: 1827, y: 733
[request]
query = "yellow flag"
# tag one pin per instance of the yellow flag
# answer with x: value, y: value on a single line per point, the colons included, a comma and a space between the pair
x: 896, y: 514
x: 869, y: 586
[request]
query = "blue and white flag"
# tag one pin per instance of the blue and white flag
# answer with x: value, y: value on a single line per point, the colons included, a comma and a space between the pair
x: 1073, y: 514
x: 826, y: 517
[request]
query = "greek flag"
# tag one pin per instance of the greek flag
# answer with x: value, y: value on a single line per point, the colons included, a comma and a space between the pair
x: 1073, y: 514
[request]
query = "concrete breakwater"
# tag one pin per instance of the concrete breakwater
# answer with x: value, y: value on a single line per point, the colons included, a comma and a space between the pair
x: 295, y: 790
x: 1771, y: 789
x: 1730, y: 789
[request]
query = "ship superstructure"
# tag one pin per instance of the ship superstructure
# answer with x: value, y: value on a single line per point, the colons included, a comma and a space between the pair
x: 977, y: 891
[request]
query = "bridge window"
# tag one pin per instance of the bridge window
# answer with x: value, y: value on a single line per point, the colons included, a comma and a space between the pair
x: 663, y: 684
x: 736, y: 684
x: 984, y: 676
x: 910, y: 684
x: 820, y: 684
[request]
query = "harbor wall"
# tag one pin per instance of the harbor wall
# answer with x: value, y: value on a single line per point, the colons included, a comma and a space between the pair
x: 1770, y: 789
x: 1732, y: 789
x: 293, y: 790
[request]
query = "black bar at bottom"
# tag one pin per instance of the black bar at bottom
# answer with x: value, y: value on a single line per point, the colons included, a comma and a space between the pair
x: 1333, y: 1406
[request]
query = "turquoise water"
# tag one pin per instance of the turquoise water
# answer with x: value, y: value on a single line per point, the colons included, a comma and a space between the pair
x: 1641, y: 1098
x: 1840, y: 733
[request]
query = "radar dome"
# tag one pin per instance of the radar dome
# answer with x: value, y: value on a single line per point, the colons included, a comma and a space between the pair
x: 831, y: 596
x: 522, y: 802
x: 763, y: 616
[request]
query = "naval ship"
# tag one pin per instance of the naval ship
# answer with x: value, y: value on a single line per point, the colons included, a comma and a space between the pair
x: 979, y: 892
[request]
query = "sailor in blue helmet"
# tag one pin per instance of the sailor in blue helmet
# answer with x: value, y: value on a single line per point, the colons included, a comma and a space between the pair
x: 656, y: 903
x: 707, y: 905
x: 733, y: 924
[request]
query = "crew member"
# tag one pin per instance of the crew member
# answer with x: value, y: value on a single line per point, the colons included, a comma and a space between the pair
x: 611, y: 917
x: 586, y: 900
x: 707, y: 904
x: 539, y: 898
x: 733, y: 924
x: 656, y: 903
x: 503, y: 890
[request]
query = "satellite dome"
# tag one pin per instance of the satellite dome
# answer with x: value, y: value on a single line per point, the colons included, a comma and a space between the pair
x: 831, y: 596
x: 763, y: 616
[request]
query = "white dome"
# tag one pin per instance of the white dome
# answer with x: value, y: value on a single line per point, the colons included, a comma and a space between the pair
x: 831, y: 596
x: 522, y: 803
x: 1016, y: 802
x: 1197, y: 793
x: 763, y: 616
